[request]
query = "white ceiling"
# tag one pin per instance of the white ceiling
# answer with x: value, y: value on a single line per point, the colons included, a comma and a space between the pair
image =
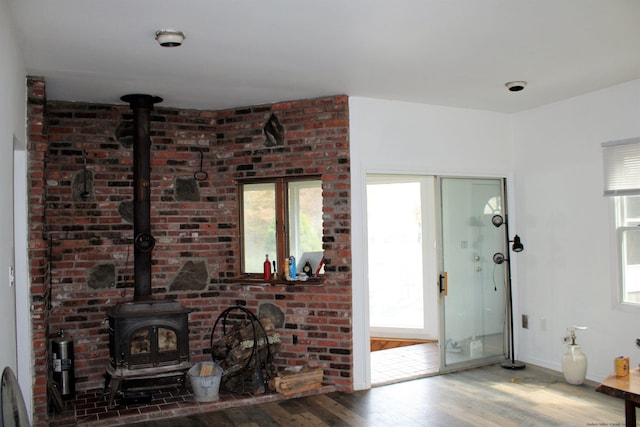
x: 246, y: 52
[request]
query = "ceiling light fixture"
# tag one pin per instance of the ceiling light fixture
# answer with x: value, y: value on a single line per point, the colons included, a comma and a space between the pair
x: 170, y: 38
x: 516, y: 86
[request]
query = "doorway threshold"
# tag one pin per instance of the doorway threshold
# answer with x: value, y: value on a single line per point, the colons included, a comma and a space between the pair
x: 404, y: 363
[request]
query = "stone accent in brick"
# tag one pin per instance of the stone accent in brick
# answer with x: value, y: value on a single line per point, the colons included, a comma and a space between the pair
x: 102, y: 276
x: 273, y: 312
x: 124, y: 133
x: 193, y: 276
x: 274, y: 132
x: 186, y: 190
x: 125, y: 209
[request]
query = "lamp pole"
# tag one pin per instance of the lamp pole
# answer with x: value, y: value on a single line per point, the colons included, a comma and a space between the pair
x: 512, y: 363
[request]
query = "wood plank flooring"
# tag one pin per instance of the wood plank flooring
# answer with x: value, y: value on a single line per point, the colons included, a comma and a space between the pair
x: 487, y: 396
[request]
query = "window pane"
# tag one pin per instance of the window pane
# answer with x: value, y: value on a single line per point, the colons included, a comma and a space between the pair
x: 305, y: 217
x: 628, y: 222
x: 259, y: 225
x: 631, y: 264
x: 631, y: 211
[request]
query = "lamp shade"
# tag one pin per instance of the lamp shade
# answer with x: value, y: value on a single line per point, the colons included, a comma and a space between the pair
x: 517, y: 244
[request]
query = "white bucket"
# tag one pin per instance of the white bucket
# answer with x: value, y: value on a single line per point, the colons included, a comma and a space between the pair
x: 205, y: 389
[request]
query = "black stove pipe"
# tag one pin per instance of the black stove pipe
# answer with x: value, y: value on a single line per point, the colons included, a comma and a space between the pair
x: 143, y: 242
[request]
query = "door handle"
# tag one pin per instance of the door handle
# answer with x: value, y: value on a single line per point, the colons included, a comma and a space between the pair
x: 444, y: 284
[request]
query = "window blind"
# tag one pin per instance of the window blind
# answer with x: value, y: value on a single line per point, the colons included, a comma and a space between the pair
x: 621, y: 167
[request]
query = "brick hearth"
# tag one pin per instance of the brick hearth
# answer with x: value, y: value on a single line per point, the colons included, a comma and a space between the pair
x: 90, y: 408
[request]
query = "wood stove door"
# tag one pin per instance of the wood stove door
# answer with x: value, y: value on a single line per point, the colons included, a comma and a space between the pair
x: 140, y: 348
x: 153, y: 346
x: 167, y: 346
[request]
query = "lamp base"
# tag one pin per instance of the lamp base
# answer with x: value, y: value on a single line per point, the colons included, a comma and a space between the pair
x: 513, y: 364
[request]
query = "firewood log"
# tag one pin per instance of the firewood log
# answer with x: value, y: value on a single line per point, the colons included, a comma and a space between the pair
x: 235, y: 353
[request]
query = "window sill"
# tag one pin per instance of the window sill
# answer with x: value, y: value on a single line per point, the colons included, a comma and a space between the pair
x: 312, y: 281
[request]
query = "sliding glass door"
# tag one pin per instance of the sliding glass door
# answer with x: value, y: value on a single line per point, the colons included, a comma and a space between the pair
x: 473, y: 287
x: 430, y: 267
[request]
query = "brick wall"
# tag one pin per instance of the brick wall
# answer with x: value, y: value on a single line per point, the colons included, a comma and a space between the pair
x: 71, y: 237
x: 38, y: 245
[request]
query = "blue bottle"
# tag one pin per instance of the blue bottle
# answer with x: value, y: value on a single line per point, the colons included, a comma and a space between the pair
x: 292, y: 267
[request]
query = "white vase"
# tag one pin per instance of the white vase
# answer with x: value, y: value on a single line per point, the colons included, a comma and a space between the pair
x: 574, y: 365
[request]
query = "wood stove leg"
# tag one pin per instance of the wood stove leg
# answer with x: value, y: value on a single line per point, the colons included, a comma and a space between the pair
x: 115, y: 386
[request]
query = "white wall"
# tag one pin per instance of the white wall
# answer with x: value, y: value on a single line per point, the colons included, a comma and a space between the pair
x: 400, y: 137
x: 566, y: 273
x: 12, y: 140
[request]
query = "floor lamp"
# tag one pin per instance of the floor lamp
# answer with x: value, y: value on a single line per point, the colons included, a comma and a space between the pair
x: 499, y: 258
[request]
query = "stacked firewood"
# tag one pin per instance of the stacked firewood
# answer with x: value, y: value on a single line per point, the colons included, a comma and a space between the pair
x: 245, y: 353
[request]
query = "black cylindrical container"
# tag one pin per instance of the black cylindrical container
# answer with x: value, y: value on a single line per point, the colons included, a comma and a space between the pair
x: 62, y: 365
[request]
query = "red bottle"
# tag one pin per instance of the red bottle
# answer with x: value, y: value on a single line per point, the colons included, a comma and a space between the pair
x: 267, y: 268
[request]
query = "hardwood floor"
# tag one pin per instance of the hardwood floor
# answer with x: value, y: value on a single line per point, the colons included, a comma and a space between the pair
x: 488, y: 396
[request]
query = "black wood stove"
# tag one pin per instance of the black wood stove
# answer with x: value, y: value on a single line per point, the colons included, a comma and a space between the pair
x: 148, y: 347
x: 148, y: 335
x: 148, y: 339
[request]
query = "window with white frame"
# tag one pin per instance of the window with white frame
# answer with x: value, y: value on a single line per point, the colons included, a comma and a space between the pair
x: 622, y: 182
x: 628, y: 238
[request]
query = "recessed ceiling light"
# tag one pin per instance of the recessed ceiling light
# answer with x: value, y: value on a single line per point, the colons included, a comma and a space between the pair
x: 516, y: 86
x: 170, y: 38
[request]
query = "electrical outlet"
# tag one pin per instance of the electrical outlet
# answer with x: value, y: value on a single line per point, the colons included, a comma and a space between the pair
x: 525, y: 321
x: 543, y: 324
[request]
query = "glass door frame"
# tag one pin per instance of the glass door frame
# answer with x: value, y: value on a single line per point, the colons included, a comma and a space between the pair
x: 472, y: 362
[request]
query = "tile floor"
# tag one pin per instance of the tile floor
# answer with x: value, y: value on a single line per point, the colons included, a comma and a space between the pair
x: 404, y: 363
x: 399, y: 364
